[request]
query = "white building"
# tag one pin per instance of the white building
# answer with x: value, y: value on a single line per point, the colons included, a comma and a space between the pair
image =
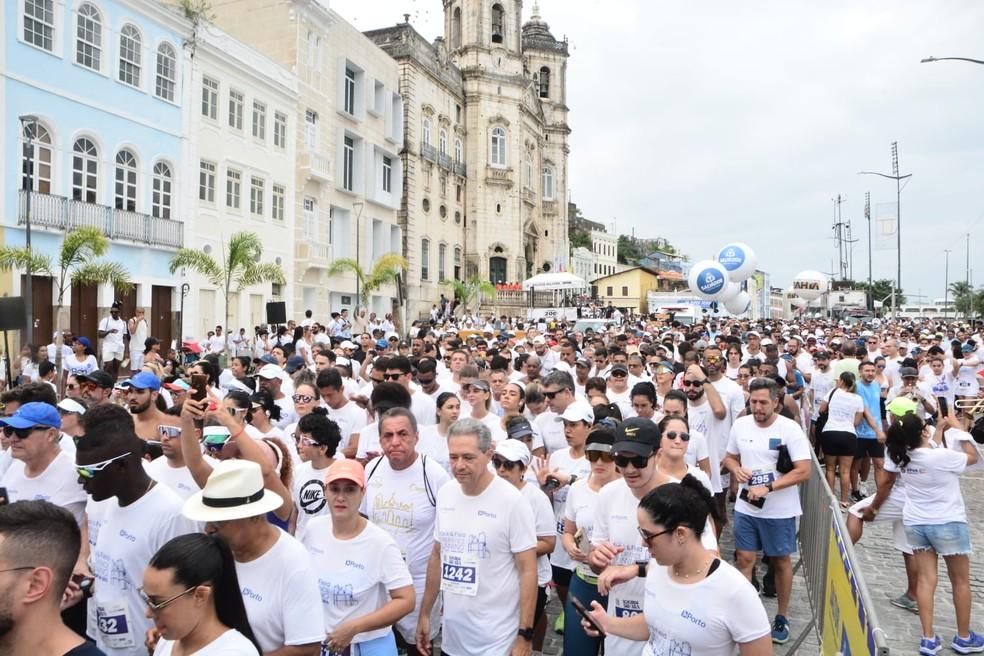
x: 242, y: 129
x: 583, y: 263
x: 604, y: 245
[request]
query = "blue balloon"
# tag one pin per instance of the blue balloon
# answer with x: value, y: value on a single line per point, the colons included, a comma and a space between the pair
x: 710, y: 281
x: 732, y: 257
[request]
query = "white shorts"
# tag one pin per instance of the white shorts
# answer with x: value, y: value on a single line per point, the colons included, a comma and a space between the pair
x: 136, y: 360
x: 112, y: 352
x: 890, y: 511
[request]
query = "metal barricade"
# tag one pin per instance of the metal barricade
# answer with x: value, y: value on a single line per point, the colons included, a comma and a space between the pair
x: 822, y: 533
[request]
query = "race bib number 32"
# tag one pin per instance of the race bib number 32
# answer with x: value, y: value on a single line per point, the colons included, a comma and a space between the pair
x: 114, y: 626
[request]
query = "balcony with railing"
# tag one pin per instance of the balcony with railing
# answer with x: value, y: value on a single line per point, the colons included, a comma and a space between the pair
x: 64, y: 214
x: 445, y: 161
x: 460, y: 169
x: 428, y: 151
x: 529, y: 197
x: 316, y: 166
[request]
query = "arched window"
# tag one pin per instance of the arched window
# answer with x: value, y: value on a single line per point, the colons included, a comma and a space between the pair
x: 88, y: 43
x: 457, y: 151
x: 498, y: 24
x: 36, y: 158
x: 444, y: 142
x: 166, y: 72
x: 426, y: 136
x: 125, y: 193
x: 85, y: 170
x: 161, y: 197
x: 130, y: 55
x: 548, y: 183
x: 528, y: 171
x: 544, y: 82
x: 498, y: 154
x: 456, y: 28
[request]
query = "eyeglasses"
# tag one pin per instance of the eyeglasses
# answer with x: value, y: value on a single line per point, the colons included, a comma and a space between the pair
x: 672, y: 435
x: 596, y: 456
x: 502, y: 463
x: 302, y: 398
x: 89, y: 471
x: 156, y: 608
x: 648, y: 537
x: 21, y: 433
x: 639, y: 462
x: 17, y: 569
x: 393, y: 377
x: 693, y: 383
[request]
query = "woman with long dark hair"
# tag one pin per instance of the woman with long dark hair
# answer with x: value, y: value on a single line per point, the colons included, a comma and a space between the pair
x: 935, y: 522
x: 193, y: 595
x: 694, y: 602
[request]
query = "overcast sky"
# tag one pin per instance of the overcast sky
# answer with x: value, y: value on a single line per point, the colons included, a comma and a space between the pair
x: 716, y: 121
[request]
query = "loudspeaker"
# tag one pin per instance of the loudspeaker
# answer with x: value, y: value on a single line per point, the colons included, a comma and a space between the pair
x: 276, y: 312
x: 13, y: 313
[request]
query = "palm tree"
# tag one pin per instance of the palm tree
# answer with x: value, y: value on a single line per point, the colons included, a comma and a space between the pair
x: 240, y: 266
x: 77, y: 265
x: 467, y: 291
x: 383, y: 271
x: 962, y: 294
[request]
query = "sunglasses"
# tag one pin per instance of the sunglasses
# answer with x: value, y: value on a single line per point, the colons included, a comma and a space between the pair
x: 157, y: 607
x: 302, y: 398
x: 619, y: 374
x: 713, y: 358
x: 596, y: 456
x: 214, y: 443
x: 304, y: 441
x: 500, y: 463
x: 89, y: 471
x: 393, y: 377
x: 648, y: 537
x: 22, y: 433
x: 672, y: 435
x: 426, y: 381
x: 639, y: 462
x: 693, y: 383
x: 550, y: 395
x: 169, y: 432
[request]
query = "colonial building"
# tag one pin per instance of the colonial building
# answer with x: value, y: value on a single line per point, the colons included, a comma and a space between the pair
x: 485, y: 149
x: 604, y: 246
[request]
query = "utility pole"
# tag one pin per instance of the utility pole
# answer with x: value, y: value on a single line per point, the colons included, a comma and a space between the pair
x: 840, y: 237
x: 946, y: 281
x: 970, y: 307
x: 867, y: 216
x: 849, y: 248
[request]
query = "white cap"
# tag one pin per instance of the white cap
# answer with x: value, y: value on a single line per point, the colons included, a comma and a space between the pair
x: 270, y: 371
x: 71, y: 405
x: 562, y: 366
x: 513, y: 451
x: 539, y: 340
x: 347, y: 345
x: 578, y: 411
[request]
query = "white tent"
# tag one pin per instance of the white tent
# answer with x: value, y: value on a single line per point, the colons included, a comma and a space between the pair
x: 545, y: 282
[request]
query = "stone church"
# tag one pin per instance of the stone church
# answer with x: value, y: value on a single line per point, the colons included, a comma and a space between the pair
x: 486, y: 144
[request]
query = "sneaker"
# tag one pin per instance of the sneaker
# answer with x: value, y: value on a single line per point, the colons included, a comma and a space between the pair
x: 929, y: 647
x: 856, y: 495
x: 559, y: 624
x: 905, y: 602
x: 972, y: 645
x: 780, y: 630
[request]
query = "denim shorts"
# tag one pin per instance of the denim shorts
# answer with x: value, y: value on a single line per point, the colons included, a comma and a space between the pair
x: 773, y: 537
x: 950, y: 539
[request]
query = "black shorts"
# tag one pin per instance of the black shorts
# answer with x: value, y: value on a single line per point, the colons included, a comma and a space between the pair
x: 561, y: 576
x: 541, y: 604
x: 869, y: 447
x: 839, y: 443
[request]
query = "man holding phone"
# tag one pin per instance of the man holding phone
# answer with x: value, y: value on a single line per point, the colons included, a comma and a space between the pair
x: 142, y: 391
x: 111, y: 331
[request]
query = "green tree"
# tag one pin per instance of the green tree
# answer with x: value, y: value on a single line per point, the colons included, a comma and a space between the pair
x: 468, y: 291
x: 239, y: 268
x: 629, y: 251
x: 383, y: 271
x: 579, y: 238
x: 963, y: 297
x: 77, y: 264
x: 881, y: 291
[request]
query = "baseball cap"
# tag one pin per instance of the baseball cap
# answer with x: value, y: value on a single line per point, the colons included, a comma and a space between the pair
x: 908, y: 372
x: 346, y: 470
x: 32, y: 414
x: 382, y: 343
x: 638, y: 436
x: 347, y: 345
x: 269, y: 372
x: 143, y: 380
x: 619, y: 367
x: 600, y: 439
x: 966, y: 348
x: 178, y: 385
x: 84, y: 341
x: 480, y: 384
x: 98, y: 377
x: 513, y: 451
x: 583, y: 362
x: 294, y: 363
x: 752, y: 333
x: 562, y: 366
x: 578, y: 411
x: 901, y: 406
x: 266, y: 358
x: 518, y: 428
x: 71, y: 405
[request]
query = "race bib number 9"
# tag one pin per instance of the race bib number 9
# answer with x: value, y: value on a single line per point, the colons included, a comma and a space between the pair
x: 761, y: 478
x: 114, y: 626
x: 459, y: 575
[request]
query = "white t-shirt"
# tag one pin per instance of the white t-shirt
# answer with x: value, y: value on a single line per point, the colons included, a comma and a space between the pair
x: 424, y: 408
x: 179, y: 479
x: 432, y: 444
x: 943, y: 385
x: 354, y: 576
x: 923, y: 388
x: 113, y: 341
x: 932, y: 486
x: 479, y: 537
x: 543, y: 519
x: 72, y: 365
x: 57, y: 484
x: 758, y: 449
x: 350, y: 419
x: 309, y: 495
x: 841, y: 411
x: 701, y: 420
x: 123, y: 540
x: 551, y: 431
x: 697, y: 450
x: 717, y: 438
x: 280, y: 592
x: 369, y: 440
x: 821, y: 383
x: 561, y: 460
x: 707, y: 617
x: 230, y: 643
x: 580, y: 509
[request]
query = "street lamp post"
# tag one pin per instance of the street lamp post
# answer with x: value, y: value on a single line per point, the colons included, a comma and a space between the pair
x: 28, y: 183
x: 357, y: 206
x: 929, y: 60
x: 898, y: 218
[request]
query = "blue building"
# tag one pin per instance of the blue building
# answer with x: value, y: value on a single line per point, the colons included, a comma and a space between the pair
x: 91, y: 100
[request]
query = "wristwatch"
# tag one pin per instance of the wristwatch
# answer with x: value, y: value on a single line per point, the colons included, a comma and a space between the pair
x: 573, y: 479
x: 526, y: 633
x: 768, y: 486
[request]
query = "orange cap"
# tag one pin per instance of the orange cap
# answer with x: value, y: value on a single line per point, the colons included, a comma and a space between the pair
x: 347, y: 470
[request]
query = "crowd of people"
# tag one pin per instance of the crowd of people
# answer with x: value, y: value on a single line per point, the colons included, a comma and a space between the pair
x: 339, y: 488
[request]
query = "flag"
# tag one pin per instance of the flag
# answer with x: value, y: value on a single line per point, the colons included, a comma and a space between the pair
x: 886, y: 226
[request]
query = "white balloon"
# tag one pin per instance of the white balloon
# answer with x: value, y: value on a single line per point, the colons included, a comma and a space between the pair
x: 708, y: 280
x: 798, y: 302
x: 738, y: 259
x: 732, y: 290
x: 739, y: 304
x: 810, y: 285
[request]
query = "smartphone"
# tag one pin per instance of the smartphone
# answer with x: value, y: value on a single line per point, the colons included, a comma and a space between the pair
x: 551, y: 484
x: 3, y: 496
x: 199, y: 383
x: 583, y: 612
x: 153, y: 449
x: 743, y: 495
x: 944, y: 409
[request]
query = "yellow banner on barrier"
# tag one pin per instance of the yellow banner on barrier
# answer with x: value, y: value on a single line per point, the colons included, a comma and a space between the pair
x: 846, y: 630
